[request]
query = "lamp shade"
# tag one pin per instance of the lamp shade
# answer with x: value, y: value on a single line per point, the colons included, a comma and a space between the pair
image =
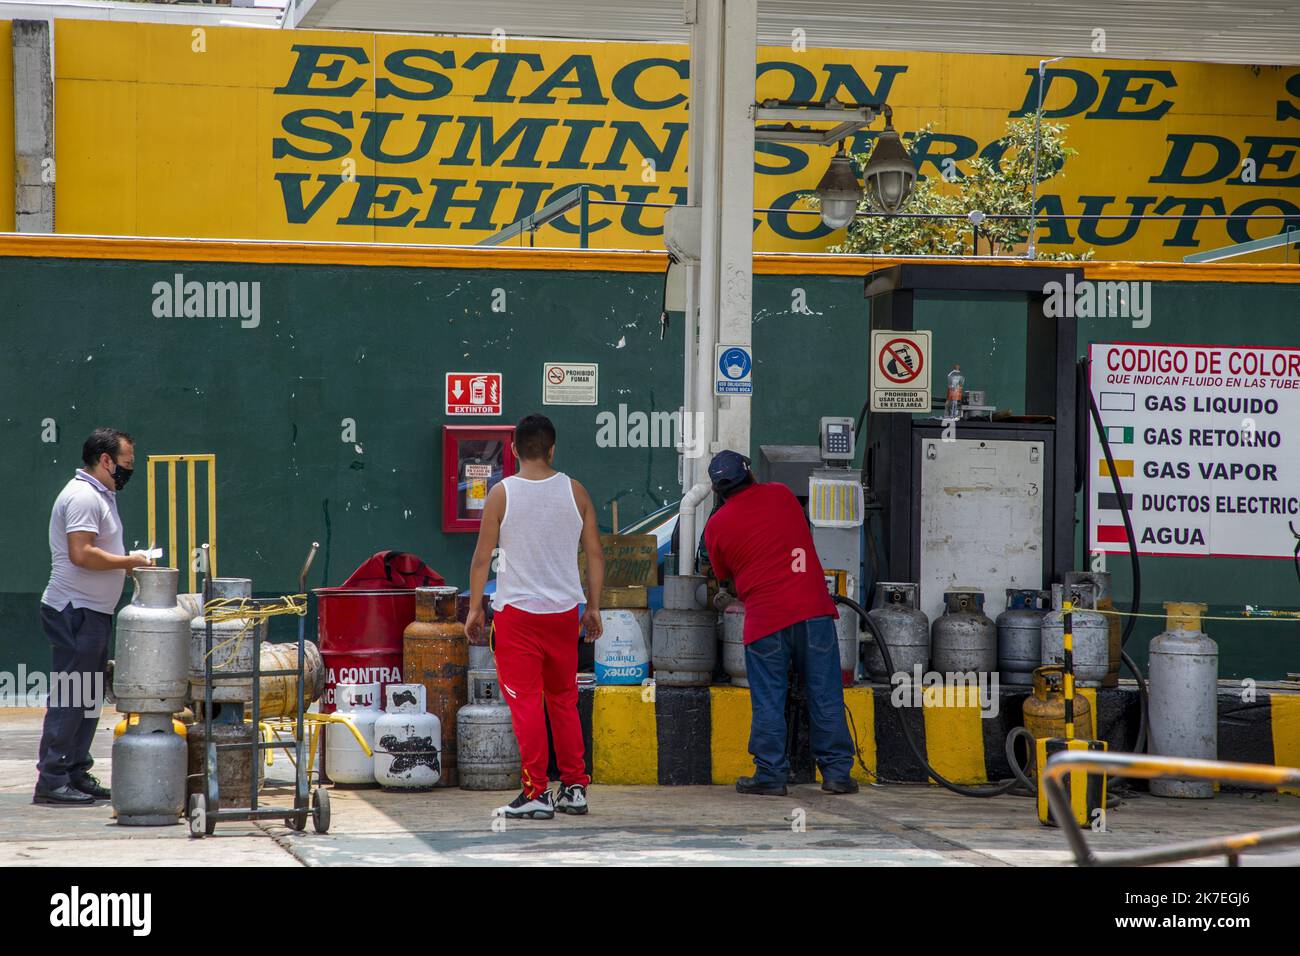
x: 890, y: 173
x: 839, y: 192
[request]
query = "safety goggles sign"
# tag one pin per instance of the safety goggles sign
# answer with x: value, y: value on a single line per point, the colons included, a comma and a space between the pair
x: 473, y: 393
x: 1205, y: 443
x: 900, y: 371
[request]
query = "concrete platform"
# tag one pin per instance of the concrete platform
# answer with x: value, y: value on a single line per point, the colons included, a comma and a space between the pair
x: 893, y: 825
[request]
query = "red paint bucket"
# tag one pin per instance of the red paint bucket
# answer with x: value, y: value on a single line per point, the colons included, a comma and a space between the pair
x: 360, y: 635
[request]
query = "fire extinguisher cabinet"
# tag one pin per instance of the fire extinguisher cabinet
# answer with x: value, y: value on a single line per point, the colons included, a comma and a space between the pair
x: 474, y: 459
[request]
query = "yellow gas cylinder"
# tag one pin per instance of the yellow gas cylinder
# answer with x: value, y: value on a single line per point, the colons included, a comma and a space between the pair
x: 1044, y: 710
x: 1085, y: 794
x: 120, y: 728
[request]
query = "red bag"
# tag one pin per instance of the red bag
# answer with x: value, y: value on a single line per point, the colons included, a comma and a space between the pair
x: 391, y: 570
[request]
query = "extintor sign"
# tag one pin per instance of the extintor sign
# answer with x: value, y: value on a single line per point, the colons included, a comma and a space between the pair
x: 900, y: 371
x: 473, y: 393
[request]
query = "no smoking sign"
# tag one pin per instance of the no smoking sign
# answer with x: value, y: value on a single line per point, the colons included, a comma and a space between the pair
x: 900, y: 371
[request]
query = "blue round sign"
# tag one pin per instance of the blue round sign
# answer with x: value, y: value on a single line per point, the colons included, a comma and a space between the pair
x: 734, y: 364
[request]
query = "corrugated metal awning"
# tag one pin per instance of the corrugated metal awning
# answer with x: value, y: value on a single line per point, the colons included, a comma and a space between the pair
x: 1257, y: 32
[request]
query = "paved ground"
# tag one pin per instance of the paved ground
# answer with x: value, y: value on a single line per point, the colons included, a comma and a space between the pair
x: 886, y: 826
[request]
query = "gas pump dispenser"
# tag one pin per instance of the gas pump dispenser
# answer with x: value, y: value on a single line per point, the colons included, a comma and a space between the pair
x: 980, y: 504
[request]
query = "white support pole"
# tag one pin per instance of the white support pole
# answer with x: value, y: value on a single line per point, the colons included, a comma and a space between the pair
x: 736, y: 240
x: 724, y: 53
x: 706, y: 136
x: 705, y: 157
x: 691, y: 470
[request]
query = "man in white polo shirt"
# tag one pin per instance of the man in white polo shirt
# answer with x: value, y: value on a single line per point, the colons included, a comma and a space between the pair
x: 88, y: 569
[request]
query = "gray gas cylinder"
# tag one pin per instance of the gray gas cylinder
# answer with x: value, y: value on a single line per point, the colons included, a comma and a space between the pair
x: 1183, y: 674
x: 847, y: 631
x: 685, y: 634
x: 148, y: 772
x: 1103, y: 600
x: 1091, y: 635
x: 232, y: 646
x: 904, y: 627
x: 733, y: 643
x: 150, y: 670
x: 963, y: 638
x: 481, y: 658
x: 1020, y: 635
x: 487, y: 751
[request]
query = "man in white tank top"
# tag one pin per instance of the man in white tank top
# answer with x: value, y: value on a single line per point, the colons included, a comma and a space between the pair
x: 538, y: 518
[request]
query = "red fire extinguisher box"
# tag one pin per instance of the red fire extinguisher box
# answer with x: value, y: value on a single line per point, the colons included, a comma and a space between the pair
x: 474, y: 458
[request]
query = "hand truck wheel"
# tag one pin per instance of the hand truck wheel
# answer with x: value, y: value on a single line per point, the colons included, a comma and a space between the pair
x: 320, y: 810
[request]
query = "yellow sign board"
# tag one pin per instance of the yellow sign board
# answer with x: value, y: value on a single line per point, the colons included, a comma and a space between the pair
x: 176, y: 131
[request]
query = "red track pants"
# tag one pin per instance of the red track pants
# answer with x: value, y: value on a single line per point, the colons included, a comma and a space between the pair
x: 537, y: 659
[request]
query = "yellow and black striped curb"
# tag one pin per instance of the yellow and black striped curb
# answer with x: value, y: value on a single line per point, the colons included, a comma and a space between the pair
x: 699, y: 735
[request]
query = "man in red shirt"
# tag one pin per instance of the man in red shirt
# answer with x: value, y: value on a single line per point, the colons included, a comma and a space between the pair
x: 760, y: 541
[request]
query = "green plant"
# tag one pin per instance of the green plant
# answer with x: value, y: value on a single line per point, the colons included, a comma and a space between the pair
x: 998, y: 184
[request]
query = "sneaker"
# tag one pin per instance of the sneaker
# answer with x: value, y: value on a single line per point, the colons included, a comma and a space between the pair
x: 847, y: 785
x: 762, y: 788
x: 572, y: 799
x: 89, y: 784
x: 524, y: 807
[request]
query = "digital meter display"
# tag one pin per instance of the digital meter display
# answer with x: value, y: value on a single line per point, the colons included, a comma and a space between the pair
x: 837, y: 439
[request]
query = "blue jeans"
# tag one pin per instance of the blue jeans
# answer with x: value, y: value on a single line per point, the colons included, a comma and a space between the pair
x: 812, y: 647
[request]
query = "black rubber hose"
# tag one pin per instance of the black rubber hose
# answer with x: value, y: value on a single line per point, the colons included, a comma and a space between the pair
x: 1112, y: 800
x: 995, y: 790
x: 1135, y: 604
x: 1016, y: 767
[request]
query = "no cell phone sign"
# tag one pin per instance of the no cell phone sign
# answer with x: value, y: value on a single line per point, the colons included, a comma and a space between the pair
x: 900, y: 371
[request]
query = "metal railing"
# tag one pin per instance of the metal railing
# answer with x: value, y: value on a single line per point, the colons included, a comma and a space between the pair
x: 1148, y: 767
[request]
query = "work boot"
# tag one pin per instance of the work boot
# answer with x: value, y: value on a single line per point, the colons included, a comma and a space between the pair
x: 64, y: 796
x: 758, y: 787
x: 572, y: 800
x: 847, y: 785
x: 90, y: 784
x: 524, y: 807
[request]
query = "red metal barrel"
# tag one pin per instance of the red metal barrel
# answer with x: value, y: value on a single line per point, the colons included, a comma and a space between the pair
x: 360, y: 635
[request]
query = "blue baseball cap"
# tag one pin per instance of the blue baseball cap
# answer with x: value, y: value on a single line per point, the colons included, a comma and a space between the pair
x: 729, y: 470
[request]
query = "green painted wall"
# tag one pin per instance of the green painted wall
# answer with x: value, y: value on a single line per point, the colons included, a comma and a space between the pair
x: 372, y: 344
x: 83, y: 348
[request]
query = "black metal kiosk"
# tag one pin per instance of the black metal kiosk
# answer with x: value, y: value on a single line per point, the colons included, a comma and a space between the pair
x: 902, y: 447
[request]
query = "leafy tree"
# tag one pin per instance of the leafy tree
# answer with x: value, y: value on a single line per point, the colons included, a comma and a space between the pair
x: 999, y: 186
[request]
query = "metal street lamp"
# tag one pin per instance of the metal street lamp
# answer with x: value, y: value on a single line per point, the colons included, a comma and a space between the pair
x: 839, y: 191
x: 890, y: 173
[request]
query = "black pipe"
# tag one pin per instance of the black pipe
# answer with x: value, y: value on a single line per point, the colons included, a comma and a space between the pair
x: 995, y: 790
x: 1136, y: 602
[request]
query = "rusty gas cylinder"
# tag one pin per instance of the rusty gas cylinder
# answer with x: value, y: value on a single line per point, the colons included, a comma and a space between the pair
x: 435, y: 653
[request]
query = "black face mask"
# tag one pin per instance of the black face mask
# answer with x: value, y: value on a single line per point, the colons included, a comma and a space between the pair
x: 121, y: 475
